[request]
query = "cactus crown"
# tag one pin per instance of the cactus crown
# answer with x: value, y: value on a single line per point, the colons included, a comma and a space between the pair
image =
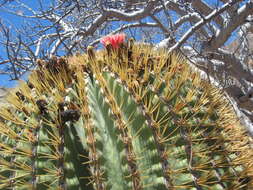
x: 121, y: 118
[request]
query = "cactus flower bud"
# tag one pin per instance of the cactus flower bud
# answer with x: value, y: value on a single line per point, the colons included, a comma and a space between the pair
x: 114, y: 40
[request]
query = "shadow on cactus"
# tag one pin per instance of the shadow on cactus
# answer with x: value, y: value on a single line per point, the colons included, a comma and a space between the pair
x: 127, y: 117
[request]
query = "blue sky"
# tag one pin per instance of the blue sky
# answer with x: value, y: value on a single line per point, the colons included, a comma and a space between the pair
x: 17, y: 21
x: 13, y: 20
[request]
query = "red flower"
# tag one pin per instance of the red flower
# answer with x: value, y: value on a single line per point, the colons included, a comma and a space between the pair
x: 114, y: 40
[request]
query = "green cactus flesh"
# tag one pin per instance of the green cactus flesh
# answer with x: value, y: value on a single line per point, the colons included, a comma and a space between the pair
x: 131, y: 118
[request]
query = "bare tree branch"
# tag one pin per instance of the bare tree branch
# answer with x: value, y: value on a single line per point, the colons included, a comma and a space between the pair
x: 237, y: 20
x: 203, y: 21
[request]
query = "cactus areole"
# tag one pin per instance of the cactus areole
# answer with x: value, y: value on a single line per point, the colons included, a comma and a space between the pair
x: 124, y: 118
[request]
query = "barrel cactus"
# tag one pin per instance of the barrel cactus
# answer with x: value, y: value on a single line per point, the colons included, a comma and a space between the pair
x: 126, y: 117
